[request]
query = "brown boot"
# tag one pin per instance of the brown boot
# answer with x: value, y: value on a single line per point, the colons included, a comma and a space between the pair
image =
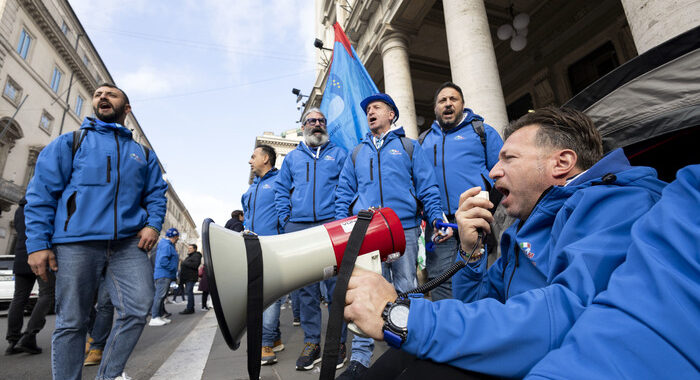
x: 94, y: 357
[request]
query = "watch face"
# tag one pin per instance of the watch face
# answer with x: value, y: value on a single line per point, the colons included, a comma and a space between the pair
x: 399, y: 316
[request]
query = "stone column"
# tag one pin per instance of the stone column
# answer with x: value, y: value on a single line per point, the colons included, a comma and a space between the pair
x: 473, y: 60
x: 397, y: 80
x: 655, y: 21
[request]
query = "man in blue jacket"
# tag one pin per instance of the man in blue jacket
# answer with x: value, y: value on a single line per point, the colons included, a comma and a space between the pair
x: 164, y: 272
x: 460, y: 148
x: 388, y: 170
x: 304, y: 199
x: 574, y: 214
x: 645, y: 325
x: 95, y: 205
x: 261, y: 218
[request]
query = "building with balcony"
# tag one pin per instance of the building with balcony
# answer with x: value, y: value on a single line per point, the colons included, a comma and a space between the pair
x: 49, y: 70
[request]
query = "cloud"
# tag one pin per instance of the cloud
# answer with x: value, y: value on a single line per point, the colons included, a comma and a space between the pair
x: 148, y: 81
x: 263, y: 30
x: 107, y: 12
x: 201, y: 206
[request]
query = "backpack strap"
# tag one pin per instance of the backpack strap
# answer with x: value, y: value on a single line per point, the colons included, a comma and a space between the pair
x: 408, y: 147
x: 355, y: 151
x: 478, y: 126
x: 78, y: 137
x: 421, y: 137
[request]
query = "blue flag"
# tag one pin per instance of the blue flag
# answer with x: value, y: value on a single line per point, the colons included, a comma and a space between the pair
x: 348, y: 83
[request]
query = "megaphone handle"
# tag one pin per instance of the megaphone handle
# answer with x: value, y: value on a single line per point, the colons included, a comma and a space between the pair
x: 356, y: 330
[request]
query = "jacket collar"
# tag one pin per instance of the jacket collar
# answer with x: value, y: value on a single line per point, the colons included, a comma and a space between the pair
x: 312, y: 151
x: 468, y: 115
x: 99, y: 125
x: 392, y: 134
x: 271, y: 173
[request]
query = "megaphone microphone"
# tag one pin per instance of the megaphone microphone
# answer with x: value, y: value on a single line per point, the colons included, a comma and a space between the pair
x: 290, y: 261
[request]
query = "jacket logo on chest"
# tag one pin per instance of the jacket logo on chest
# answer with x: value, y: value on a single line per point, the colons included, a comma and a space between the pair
x: 329, y: 158
x: 137, y: 158
x: 394, y: 152
x: 527, y: 249
x: 267, y: 186
x: 459, y: 137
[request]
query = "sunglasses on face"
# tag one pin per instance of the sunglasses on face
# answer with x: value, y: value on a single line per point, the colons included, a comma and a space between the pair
x: 312, y: 121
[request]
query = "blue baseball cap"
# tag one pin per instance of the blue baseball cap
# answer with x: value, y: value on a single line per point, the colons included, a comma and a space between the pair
x: 382, y: 98
x: 172, y: 232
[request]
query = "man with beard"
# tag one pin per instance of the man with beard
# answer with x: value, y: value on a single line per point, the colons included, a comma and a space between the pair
x: 303, y: 198
x: 95, y: 207
x: 387, y: 169
x: 460, y: 148
x: 575, y: 210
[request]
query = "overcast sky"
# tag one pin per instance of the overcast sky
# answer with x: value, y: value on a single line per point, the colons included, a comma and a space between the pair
x: 204, y: 78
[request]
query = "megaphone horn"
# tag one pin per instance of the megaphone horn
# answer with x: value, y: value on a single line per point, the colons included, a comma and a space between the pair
x: 290, y: 261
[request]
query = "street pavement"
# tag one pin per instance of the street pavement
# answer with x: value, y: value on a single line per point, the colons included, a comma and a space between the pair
x: 191, y: 347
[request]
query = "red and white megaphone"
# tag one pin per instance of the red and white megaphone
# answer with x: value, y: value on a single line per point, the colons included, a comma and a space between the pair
x: 290, y: 261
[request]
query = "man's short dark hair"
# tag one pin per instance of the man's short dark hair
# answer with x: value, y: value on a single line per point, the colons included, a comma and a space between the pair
x: 270, y: 152
x: 563, y: 128
x: 110, y: 85
x: 444, y: 86
x: 236, y: 214
x: 194, y: 246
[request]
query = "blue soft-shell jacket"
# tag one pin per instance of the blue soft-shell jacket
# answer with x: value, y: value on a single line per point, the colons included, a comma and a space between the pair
x: 388, y: 178
x: 106, y: 192
x: 166, y: 260
x: 645, y: 325
x: 305, y: 189
x: 554, y: 263
x: 259, y: 205
x: 458, y: 159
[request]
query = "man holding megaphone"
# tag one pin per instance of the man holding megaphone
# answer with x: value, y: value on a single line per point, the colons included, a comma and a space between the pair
x: 575, y: 209
x: 304, y: 199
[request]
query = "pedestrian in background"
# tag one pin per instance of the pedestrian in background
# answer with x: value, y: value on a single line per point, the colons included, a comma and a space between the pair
x: 204, y: 286
x: 163, y: 274
x: 189, y: 274
x: 24, y: 282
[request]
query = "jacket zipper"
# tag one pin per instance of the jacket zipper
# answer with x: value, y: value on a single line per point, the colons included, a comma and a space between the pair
x: 435, y: 155
x: 444, y: 178
x: 255, y: 202
x: 371, y: 169
x: 314, y: 190
x: 307, y: 172
x: 517, y: 253
x: 379, y: 174
x: 109, y: 169
x: 70, y: 209
x: 116, y: 192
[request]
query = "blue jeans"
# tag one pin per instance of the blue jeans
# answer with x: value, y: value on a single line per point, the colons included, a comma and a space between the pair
x: 403, y: 274
x: 310, y: 297
x: 128, y: 280
x: 189, y: 290
x: 162, y: 285
x: 271, y: 324
x: 296, y: 310
x: 439, y: 261
x: 104, y: 316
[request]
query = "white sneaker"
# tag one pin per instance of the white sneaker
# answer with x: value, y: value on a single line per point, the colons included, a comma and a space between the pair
x: 124, y: 376
x: 158, y: 321
x: 167, y: 320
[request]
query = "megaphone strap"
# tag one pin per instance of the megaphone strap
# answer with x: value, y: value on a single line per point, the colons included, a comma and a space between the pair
x: 255, y: 303
x: 335, y: 315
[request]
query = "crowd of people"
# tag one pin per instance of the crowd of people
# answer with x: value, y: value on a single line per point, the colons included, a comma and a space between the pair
x: 574, y: 293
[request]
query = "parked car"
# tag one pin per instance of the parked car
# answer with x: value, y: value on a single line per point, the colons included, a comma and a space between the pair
x: 7, y: 285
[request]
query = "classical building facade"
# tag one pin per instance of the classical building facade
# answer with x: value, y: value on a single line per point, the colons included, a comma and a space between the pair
x: 49, y: 69
x: 411, y: 47
x: 286, y: 142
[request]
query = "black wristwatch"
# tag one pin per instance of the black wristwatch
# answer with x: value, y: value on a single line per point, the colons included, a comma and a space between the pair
x: 395, y: 317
